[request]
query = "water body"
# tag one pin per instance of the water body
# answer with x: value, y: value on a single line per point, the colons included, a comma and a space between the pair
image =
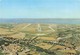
x: 53, y: 21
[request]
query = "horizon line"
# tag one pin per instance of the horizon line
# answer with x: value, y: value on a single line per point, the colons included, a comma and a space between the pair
x: 45, y: 18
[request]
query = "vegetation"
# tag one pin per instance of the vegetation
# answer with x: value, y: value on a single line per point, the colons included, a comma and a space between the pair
x: 64, y: 40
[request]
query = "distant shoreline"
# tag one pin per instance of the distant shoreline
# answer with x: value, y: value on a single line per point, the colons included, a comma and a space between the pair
x: 53, y: 21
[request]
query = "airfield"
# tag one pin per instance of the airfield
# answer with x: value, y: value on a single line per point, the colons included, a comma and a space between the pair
x: 39, y: 39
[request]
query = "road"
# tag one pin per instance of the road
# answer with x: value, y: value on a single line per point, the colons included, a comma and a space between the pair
x: 39, y: 28
x: 26, y: 26
x: 51, y: 28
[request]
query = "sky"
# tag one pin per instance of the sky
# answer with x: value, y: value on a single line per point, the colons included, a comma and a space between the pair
x: 40, y: 9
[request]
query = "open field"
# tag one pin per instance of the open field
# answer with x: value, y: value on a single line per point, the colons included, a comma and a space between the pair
x: 39, y: 39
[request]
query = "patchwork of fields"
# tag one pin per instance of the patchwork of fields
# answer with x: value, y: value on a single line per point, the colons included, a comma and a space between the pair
x: 39, y: 39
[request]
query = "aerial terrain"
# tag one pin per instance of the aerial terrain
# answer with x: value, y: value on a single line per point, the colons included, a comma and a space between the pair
x: 39, y: 27
x: 39, y: 39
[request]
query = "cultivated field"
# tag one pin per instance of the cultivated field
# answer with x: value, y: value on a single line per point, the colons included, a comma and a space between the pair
x: 39, y: 39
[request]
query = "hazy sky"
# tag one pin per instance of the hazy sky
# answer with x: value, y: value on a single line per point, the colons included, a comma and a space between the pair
x: 39, y: 8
